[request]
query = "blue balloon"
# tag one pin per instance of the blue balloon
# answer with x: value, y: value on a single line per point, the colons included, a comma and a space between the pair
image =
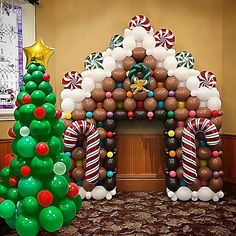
x: 109, y: 174
x: 160, y: 104
x: 203, y: 143
x: 68, y: 154
x: 150, y: 94
x: 182, y: 183
x: 119, y: 85
x: 89, y: 114
x: 78, y: 182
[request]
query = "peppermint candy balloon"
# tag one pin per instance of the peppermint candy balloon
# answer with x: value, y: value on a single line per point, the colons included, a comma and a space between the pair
x: 207, y: 79
x: 164, y: 38
x: 140, y: 20
x: 116, y: 41
x: 93, y: 61
x: 72, y: 80
x: 184, y: 59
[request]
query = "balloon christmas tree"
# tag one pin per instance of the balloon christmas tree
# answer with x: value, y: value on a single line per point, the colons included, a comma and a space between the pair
x: 35, y: 191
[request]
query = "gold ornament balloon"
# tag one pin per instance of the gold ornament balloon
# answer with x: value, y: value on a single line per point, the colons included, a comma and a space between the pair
x: 38, y: 53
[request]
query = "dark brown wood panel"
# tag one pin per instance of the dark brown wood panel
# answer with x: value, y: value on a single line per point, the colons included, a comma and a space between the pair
x: 5, y: 147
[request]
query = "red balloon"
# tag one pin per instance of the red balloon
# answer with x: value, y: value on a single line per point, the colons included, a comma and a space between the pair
x: 215, y: 113
x: 109, y: 134
x: 58, y: 114
x: 46, y: 77
x: 11, y: 133
x: 17, y: 103
x: 25, y: 170
x: 130, y: 114
x: 139, y: 105
x: 1, y: 199
x: 26, y: 99
x: 13, y: 181
x: 45, y: 198
x: 7, y: 160
x: 39, y: 112
x: 73, y: 190
x: 42, y: 149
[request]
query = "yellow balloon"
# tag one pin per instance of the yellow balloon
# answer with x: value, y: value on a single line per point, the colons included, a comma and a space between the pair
x: 181, y: 104
x: 171, y: 133
x: 203, y: 162
x: 38, y: 53
x: 67, y: 116
x: 79, y: 163
x: 109, y: 154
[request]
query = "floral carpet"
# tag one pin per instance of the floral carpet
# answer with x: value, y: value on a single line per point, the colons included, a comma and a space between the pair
x: 142, y: 213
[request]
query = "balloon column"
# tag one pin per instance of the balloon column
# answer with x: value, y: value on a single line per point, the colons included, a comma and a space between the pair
x: 140, y: 76
x: 35, y: 192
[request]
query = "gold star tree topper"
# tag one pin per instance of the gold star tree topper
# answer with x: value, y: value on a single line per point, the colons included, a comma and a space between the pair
x: 38, y: 53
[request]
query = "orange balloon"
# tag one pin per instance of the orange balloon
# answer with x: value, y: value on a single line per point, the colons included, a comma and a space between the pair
x: 129, y: 94
x: 172, y: 153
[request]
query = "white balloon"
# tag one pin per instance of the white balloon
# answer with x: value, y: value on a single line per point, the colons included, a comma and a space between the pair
x: 170, y: 194
x: 88, y: 195
x: 138, y: 33
x: 82, y: 192
x: 205, y: 194
x: 78, y: 95
x: 171, y: 52
x: 88, y: 84
x: 174, y: 198
x: 214, y: 92
x: 109, y: 63
x: 159, y: 53
x: 127, y: 32
x: 66, y: 93
x: 183, y: 193
x: 108, y: 196
x: 214, y: 103
x: 195, y: 194
x: 215, y: 198
x: 98, y: 75
x: 129, y: 43
x: 119, y: 53
x: 149, y: 42
x: 99, y: 192
x: 67, y: 105
x: 202, y: 93
x: 181, y: 73
x: 113, y: 191
x: 192, y: 83
x: 170, y: 63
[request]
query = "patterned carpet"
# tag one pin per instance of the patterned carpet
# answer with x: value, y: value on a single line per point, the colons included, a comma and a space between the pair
x: 141, y: 213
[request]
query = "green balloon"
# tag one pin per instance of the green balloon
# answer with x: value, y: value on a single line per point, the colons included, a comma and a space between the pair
x: 40, y: 129
x: 67, y: 208
x: 13, y: 146
x: 30, y: 87
x: 16, y: 164
x: 58, y: 186
x: 16, y: 129
x: 50, y: 110
x: 57, y: 128
x: 30, y: 206
x: 20, y: 96
x: 26, y: 226
x: 37, y: 76
x: 22, y: 88
x: 41, y: 166
x: 45, y: 87
x: 3, y: 191
x: 11, y: 222
x: 26, y: 147
x: 29, y: 186
x: 7, y: 209
x: 54, y: 146
x: 5, y: 174
x: 63, y: 158
x: 38, y: 97
x: 41, y: 68
x: 17, y: 114
x: 78, y: 202
x: 51, y: 98
x: 19, y: 210
x: 13, y: 194
x: 27, y: 77
x: 51, y: 219
x: 27, y: 113
x: 31, y: 68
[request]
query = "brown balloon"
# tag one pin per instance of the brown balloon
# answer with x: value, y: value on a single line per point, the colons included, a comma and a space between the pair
x: 160, y: 74
x: 215, y: 184
x: 129, y: 104
x: 195, y: 185
x: 78, y: 114
x: 78, y: 173
x: 150, y: 104
x: 140, y: 96
x: 98, y: 94
x: 72, y: 163
x: 171, y: 83
x: 102, y: 133
x: 67, y: 122
x: 215, y: 163
x: 87, y: 186
x: 179, y: 132
x: 78, y: 153
x: 179, y: 153
x: 119, y: 74
x: 217, y: 121
x: 203, y: 153
x: 197, y: 143
x: 160, y: 93
x: 139, y: 54
x: 119, y: 94
x: 203, y: 112
x: 103, y: 153
x: 152, y: 85
x: 109, y: 104
x: 150, y: 61
x: 126, y: 84
x: 179, y: 172
x: 99, y: 114
x: 171, y: 103
x: 204, y: 173
x: 89, y: 104
x: 181, y: 114
x: 182, y: 94
x: 108, y: 84
x: 128, y: 62
x: 102, y: 173
x: 91, y: 120
x: 192, y: 103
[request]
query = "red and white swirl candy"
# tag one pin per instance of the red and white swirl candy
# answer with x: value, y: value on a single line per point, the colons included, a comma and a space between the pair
x: 189, y: 146
x: 140, y: 20
x: 207, y: 79
x: 72, y: 80
x: 92, y: 149
x: 164, y: 38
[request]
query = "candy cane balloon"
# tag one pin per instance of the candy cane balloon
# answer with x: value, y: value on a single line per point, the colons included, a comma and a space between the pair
x: 189, y: 146
x: 92, y: 149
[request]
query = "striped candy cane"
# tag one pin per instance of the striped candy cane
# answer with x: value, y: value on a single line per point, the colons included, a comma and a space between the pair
x: 92, y: 149
x: 189, y: 146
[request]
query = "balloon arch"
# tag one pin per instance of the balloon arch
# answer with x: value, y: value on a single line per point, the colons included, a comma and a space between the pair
x: 141, y: 77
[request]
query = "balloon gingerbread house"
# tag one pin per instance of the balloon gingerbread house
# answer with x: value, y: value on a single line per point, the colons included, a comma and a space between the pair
x: 140, y: 76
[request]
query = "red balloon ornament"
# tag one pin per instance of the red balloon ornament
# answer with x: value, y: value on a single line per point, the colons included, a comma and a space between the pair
x: 73, y: 190
x: 25, y: 170
x: 13, y: 181
x: 130, y: 114
x: 42, y: 149
x: 39, y: 112
x: 11, y: 133
x: 45, y: 198
x: 26, y: 99
x: 7, y: 160
x: 17, y: 103
x: 1, y: 199
x: 58, y: 114
x: 215, y: 113
x: 46, y: 77
x: 109, y: 134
